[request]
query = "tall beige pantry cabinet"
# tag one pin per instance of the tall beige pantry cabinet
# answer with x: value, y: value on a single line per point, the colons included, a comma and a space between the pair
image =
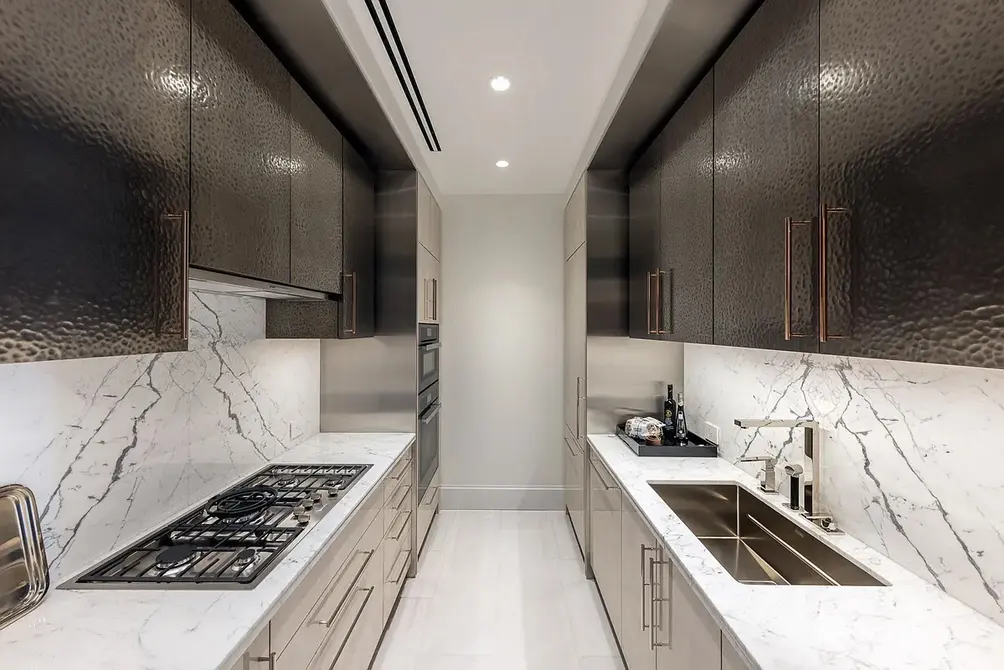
x: 595, y: 234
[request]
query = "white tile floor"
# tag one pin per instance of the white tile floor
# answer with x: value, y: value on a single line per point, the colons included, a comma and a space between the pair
x: 499, y: 591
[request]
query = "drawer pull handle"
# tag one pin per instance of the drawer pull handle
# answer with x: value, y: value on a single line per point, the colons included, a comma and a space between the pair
x: 603, y: 480
x: 431, y: 496
x: 401, y: 470
x: 359, y: 614
x: 270, y: 659
x: 406, y: 514
x: 404, y: 494
x: 336, y: 614
x: 404, y: 564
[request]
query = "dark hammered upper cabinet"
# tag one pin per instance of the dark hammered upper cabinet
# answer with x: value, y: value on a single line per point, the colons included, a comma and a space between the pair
x: 911, y: 155
x: 358, y: 313
x: 316, y: 197
x: 765, y: 182
x: 94, y: 122
x: 644, y: 244
x: 240, y: 148
x: 686, y: 275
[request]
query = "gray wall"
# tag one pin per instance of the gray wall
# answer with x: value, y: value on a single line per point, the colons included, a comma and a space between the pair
x: 502, y: 321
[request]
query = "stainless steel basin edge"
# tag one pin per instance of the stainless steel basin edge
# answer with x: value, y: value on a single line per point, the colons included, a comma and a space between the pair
x: 755, y: 542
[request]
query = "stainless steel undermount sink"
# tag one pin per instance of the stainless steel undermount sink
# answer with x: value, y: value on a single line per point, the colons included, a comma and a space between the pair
x: 755, y: 543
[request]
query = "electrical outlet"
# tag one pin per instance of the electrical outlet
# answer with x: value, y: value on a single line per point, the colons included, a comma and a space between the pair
x: 294, y: 437
x: 712, y: 433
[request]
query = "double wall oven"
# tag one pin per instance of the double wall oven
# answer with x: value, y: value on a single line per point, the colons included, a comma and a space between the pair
x: 428, y: 405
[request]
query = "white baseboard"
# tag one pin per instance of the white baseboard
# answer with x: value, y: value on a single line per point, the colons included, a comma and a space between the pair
x: 502, y: 497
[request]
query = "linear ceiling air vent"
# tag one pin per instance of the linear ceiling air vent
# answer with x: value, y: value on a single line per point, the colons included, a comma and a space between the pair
x: 384, y: 23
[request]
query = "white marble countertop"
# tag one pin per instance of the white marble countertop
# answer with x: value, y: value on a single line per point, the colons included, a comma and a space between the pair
x: 194, y: 629
x: 907, y: 625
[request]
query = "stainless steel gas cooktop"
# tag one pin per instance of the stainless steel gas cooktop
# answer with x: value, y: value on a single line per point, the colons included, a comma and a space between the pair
x: 235, y: 539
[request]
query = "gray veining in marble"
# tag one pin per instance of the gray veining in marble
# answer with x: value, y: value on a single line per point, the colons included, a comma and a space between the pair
x: 912, y: 452
x: 114, y: 446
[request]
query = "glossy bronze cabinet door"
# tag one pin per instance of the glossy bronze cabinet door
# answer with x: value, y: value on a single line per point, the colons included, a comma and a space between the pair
x: 94, y: 124
x: 686, y: 271
x: 316, y: 197
x: 643, y: 245
x: 358, y: 313
x: 911, y: 155
x: 240, y: 148
x: 765, y: 183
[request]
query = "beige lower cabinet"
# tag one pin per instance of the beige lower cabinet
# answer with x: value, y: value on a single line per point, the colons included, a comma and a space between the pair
x: 685, y: 635
x: 731, y: 660
x: 663, y: 624
x: 399, y: 514
x: 334, y: 618
x: 605, y: 549
x: 258, y: 655
x: 427, y: 510
x: 575, y: 498
x: 638, y: 546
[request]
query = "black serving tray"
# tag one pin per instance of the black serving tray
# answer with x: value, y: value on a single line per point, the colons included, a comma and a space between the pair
x: 696, y: 447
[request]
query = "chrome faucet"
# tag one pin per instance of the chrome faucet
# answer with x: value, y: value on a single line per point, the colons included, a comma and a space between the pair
x: 813, y: 449
x: 769, y: 483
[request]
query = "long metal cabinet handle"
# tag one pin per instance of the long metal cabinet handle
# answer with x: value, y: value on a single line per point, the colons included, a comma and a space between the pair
x: 336, y: 614
x: 185, y: 235
x: 359, y: 614
x: 789, y: 224
x: 270, y: 659
x: 603, y: 480
x: 658, y: 599
x: 400, y: 573
x: 435, y: 299
x: 407, y: 517
x: 570, y: 450
x: 431, y: 496
x: 644, y: 624
x: 579, y: 397
x: 824, y: 214
x: 672, y: 306
x: 346, y: 275
x: 649, y: 305
x: 406, y: 489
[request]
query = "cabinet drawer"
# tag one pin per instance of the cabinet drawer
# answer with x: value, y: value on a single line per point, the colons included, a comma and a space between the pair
x: 326, y: 583
x: 356, y: 627
x: 399, y: 472
x: 396, y: 558
x: 427, y: 510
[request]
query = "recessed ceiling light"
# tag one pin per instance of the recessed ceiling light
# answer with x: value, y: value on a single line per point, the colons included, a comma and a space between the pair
x: 500, y: 83
x: 502, y: 164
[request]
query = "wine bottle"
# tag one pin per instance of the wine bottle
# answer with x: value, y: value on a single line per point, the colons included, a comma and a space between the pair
x: 681, y: 421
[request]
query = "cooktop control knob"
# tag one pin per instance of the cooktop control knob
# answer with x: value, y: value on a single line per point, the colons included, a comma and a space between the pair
x: 319, y: 497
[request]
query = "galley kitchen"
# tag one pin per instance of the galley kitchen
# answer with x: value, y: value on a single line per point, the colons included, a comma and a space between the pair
x: 451, y: 335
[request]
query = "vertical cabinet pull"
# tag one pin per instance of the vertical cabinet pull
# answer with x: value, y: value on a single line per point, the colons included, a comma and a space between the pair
x: 185, y: 222
x: 648, y: 303
x: 789, y: 225
x: 270, y: 659
x: 672, y: 307
x: 346, y: 275
x: 655, y: 577
x: 824, y: 215
x: 644, y: 583
x: 435, y: 299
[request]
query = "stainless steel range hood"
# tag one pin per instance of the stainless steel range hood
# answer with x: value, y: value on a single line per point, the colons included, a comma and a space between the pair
x: 207, y: 281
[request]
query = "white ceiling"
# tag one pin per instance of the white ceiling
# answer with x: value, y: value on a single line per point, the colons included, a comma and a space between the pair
x: 562, y: 56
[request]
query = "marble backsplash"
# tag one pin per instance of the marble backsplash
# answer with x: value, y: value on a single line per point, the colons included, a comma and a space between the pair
x: 911, y: 451
x: 112, y: 447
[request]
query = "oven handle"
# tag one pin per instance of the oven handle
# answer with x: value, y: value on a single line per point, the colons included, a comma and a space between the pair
x: 431, y: 413
x: 430, y: 347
